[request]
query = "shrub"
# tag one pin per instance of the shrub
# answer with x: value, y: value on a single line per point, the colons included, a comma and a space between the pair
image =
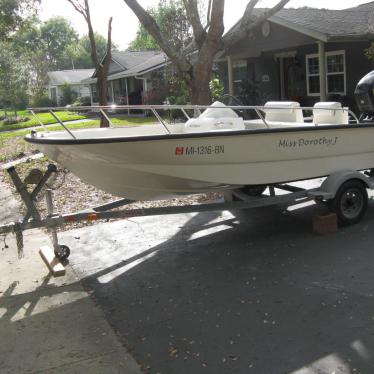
x: 68, y: 95
x: 10, y: 121
x: 83, y: 101
x: 41, y: 101
x: 216, y: 88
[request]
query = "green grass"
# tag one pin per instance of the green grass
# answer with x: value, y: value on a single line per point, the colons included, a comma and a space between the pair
x: 21, y: 113
x: 80, y: 125
x: 45, y: 118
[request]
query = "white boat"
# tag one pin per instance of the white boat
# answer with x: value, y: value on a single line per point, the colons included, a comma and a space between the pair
x: 216, y: 151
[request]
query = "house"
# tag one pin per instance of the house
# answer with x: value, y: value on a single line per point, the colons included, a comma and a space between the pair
x: 58, y: 79
x: 304, y: 54
x: 134, y: 77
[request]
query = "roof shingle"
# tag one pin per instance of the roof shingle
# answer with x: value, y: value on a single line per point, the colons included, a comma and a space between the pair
x: 350, y: 22
x: 58, y: 78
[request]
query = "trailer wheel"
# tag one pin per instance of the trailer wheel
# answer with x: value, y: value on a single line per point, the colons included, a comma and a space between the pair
x: 251, y: 191
x: 350, y: 202
x: 254, y: 190
x: 63, y: 252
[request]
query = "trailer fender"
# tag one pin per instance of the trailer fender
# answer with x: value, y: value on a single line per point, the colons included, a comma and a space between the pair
x: 334, y: 181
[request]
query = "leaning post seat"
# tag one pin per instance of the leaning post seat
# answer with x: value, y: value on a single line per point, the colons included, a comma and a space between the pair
x: 330, y: 113
x: 215, y: 118
x: 283, y: 111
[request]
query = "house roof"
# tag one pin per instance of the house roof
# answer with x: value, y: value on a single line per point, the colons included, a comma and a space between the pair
x: 326, y: 24
x: 134, y: 63
x: 58, y: 78
x: 129, y: 59
x: 332, y: 23
x: 149, y: 64
x: 366, y: 6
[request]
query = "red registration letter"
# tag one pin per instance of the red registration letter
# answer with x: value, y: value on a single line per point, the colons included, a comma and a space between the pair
x: 179, y: 151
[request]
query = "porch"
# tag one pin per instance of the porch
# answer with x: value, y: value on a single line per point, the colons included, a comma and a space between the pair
x: 283, y: 62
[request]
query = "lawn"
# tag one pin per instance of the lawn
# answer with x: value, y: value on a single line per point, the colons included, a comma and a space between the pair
x: 45, y: 118
x: 117, y: 121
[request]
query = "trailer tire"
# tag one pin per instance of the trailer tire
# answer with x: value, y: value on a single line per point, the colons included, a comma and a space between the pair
x: 63, y: 253
x: 254, y: 190
x: 350, y: 202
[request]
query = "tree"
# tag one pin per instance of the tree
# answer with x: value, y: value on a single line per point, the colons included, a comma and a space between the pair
x: 14, y: 14
x: 55, y: 35
x: 195, y: 62
x: 102, y: 66
x: 49, y: 40
x: 78, y: 55
x: 43, y: 47
x: 13, y: 78
x: 170, y: 16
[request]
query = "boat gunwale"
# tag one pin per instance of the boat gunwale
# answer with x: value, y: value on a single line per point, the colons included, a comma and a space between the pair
x: 213, y: 134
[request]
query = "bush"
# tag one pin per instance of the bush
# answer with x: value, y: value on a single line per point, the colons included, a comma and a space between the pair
x: 216, y: 88
x: 41, y: 101
x: 68, y: 95
x: 83, y: 101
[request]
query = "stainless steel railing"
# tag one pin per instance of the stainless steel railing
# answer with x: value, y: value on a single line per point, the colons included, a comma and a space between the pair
x: 258, y: 110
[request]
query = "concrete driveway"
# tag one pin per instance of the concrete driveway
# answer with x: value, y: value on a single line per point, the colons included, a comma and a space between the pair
x: 248, y: 292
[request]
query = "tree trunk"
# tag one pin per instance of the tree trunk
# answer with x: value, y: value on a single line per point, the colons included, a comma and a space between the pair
x: 199, y: 90
x: 102, y: 67
x: 102, y: 88
x: 202, y: 74
x: 102, y: 76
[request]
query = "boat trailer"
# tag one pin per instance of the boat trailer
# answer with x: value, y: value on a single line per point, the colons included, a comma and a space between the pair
x: 344, y: 192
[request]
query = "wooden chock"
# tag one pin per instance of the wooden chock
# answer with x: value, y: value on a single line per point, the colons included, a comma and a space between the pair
x: 325, y: 223
x: 52, y: 262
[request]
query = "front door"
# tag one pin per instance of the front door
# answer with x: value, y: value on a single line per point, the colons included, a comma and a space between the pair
x: 290, y: 78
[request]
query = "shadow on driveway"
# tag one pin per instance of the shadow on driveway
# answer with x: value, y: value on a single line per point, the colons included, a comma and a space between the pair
x: 254, y: 292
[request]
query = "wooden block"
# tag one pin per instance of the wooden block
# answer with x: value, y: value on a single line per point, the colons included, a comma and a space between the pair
x: 53, y: 263
x: 325, y: 223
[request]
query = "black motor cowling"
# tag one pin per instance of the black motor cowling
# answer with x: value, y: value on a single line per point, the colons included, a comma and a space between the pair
x: 364, y: 95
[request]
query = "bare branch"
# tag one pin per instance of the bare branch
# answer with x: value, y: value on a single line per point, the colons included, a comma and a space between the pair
x: 151, y: 26
x: 194, y: 17
x: 249, y: 22
x: 78, y: 7
x: 108, y: 55
x: 208, y: 14
x: 216, y: 27
x: 248, y: 13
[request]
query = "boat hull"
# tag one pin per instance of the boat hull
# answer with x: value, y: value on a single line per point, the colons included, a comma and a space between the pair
x: 159, y: 166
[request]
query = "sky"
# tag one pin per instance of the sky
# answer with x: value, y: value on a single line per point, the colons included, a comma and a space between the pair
x: 125, y: 23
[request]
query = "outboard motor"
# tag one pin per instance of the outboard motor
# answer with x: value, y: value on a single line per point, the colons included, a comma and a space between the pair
x: 364, y: 95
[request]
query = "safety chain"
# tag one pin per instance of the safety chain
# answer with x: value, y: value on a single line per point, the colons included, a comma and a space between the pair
x: 51, y: 185
x: 19, y: 239
x: 5, y: 245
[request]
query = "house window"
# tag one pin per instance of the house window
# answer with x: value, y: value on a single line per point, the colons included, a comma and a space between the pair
x: 53, y: 95
x: 335, y: 73
x: 239, y: 69
x: 94, y: 93
x: 312, y: 66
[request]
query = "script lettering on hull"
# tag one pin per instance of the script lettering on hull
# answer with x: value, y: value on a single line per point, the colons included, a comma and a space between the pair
x: 304, y: 142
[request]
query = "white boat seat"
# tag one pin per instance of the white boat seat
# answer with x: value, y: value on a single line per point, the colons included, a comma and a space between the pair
x: 213, y: 124
x: 329, y: 113
x: 220, y: 119
x: 283, y: 111
x: 219, y: 112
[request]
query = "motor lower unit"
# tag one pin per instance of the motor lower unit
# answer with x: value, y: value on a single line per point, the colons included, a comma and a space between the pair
x: 364, y: 95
